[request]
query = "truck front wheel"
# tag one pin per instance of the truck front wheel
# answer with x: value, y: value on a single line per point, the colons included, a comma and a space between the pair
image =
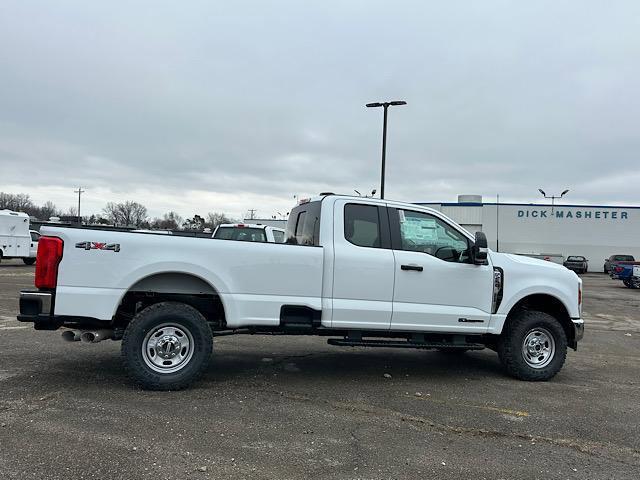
x: 29, y: 261
x: 167, y: 346
x: 532, y: 346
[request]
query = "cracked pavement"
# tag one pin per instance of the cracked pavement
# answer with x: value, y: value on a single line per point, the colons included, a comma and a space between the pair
x: 291, y: 407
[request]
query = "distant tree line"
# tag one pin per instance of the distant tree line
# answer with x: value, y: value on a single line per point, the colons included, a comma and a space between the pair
x: 21, y: 202
x: 124, y: 214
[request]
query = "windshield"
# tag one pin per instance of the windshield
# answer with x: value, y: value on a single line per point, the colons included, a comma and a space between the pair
x: 576, y: 259
x: 623, y: 258
x: 241, y: 234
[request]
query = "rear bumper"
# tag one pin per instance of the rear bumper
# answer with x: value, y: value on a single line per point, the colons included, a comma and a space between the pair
x: 37, y: 308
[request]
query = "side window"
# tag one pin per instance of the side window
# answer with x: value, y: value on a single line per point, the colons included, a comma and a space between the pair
x: 362, y: 225
x: 300, y: 224
x: 303, y: 226
x: 278, y: 236
x: 421, y: 232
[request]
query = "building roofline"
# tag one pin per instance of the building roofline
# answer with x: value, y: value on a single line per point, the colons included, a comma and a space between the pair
x: 476, y: 204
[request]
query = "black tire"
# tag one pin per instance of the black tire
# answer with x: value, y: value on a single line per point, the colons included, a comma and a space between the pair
x: 178, y: 316
x: 606, y: 270
x: 627, y: 283
x: 29, y: 261
x: 512, y: 339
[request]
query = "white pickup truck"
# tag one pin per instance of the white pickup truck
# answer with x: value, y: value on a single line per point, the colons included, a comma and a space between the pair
x: 363, y: 271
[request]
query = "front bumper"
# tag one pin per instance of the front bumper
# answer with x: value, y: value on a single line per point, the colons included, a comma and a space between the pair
x: 578, y: 332
x: 37, y: 308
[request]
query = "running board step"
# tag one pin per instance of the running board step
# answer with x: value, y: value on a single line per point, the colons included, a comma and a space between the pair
x: 345, y: 342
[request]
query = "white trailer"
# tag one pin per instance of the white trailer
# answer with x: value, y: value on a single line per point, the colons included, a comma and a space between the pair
x: 15, y: 237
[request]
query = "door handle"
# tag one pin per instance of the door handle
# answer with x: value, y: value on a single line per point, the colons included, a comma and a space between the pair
x: 417, y: 268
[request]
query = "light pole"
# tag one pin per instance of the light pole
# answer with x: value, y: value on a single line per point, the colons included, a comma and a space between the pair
x: 79, y: 192
x: 386, y: 106
x: 553, y: 197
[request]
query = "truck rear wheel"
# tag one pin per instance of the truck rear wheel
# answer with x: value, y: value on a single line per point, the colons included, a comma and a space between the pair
x: 533, y: 346
x: 167, y: 346
x: 29, y: 261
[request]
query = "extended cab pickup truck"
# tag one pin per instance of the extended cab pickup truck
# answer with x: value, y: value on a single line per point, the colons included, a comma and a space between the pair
x: 363, y: 271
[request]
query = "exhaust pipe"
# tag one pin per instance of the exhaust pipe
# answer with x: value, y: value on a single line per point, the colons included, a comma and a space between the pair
x: 71, y: 335
x: 95, y: 336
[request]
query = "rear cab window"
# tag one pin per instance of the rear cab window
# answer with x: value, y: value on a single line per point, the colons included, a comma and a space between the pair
x: 303, y: 226
x: 241, y: 234
x: 278, y: 236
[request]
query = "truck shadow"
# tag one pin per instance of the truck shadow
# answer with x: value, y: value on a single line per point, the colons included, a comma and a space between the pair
x: 362, y: 365
x: 365, y: 367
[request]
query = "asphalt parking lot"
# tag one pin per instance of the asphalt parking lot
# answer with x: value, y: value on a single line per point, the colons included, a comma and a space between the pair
x: 295, y: 407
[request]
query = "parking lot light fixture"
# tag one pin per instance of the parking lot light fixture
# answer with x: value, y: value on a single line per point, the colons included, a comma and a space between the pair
x: 386, y: 106
x: 553, y: 197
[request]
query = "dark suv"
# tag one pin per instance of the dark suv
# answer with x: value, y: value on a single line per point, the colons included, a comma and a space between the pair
x: 616, y: 259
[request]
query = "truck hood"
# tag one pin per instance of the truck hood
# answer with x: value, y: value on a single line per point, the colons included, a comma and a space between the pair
x: 525, y: 276
x: 527, y: 260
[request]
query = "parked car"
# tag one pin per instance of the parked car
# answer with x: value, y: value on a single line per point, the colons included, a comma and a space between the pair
x: 33, y: 246
x: 616, y: 259
x: 16, y: 240
x: 628, y: 273
x: 249, y: 232
x: 577, y: 263
x: 364, y: 271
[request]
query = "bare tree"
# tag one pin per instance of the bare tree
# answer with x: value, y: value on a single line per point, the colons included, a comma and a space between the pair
x: 128, y: 214
x: 169, y: 221
x: 196, y: 223
x: 20, y: 202
x: 48, y: 210
x: 214, y: 219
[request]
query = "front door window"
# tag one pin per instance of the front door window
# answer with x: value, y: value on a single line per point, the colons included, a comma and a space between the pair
x: 421, y: 232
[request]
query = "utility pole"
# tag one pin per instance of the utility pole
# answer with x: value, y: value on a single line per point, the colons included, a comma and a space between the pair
x: 386, y: 106
x: 497, y: 222
x: 79, y: 192
x: 252, y: 213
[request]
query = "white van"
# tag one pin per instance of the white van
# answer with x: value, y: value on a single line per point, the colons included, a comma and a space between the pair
x: 16, y: 240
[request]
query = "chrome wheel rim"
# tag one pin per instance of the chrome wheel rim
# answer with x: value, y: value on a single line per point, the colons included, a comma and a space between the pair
x: 538, y: 348
x: 167, y: 348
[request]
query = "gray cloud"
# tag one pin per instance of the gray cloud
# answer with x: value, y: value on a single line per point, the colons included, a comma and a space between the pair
x: 204, y: 106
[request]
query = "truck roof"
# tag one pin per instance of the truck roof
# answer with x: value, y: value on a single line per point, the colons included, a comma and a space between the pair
x: 11, y: 213
x: 375, y: 201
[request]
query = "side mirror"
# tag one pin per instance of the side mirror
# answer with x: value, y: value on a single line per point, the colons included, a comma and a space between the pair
x: 479, y: 249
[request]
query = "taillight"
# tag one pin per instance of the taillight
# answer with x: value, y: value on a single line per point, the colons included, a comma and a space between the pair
x: 618, y: 269
x: 47, y: 261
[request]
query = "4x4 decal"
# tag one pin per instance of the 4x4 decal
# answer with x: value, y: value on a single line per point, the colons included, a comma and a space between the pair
x: 99, y: 246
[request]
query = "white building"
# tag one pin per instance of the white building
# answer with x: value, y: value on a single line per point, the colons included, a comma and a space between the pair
x: 593, y: 231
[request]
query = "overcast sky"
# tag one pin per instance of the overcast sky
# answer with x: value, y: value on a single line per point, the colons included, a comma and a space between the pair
x: 224, y: 106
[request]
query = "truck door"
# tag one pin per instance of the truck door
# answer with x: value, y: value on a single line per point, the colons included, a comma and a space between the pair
x: 363, y: 266
x: 436, y: 286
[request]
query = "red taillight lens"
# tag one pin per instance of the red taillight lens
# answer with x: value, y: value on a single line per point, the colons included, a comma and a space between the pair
x: 47, y: 261
x: 618, y: 269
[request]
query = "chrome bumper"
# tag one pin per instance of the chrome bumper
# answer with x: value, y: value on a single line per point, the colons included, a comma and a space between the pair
x: 578, y: 332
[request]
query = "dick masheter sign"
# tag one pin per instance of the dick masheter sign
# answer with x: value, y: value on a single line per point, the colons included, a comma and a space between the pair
x: 579, y: 214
